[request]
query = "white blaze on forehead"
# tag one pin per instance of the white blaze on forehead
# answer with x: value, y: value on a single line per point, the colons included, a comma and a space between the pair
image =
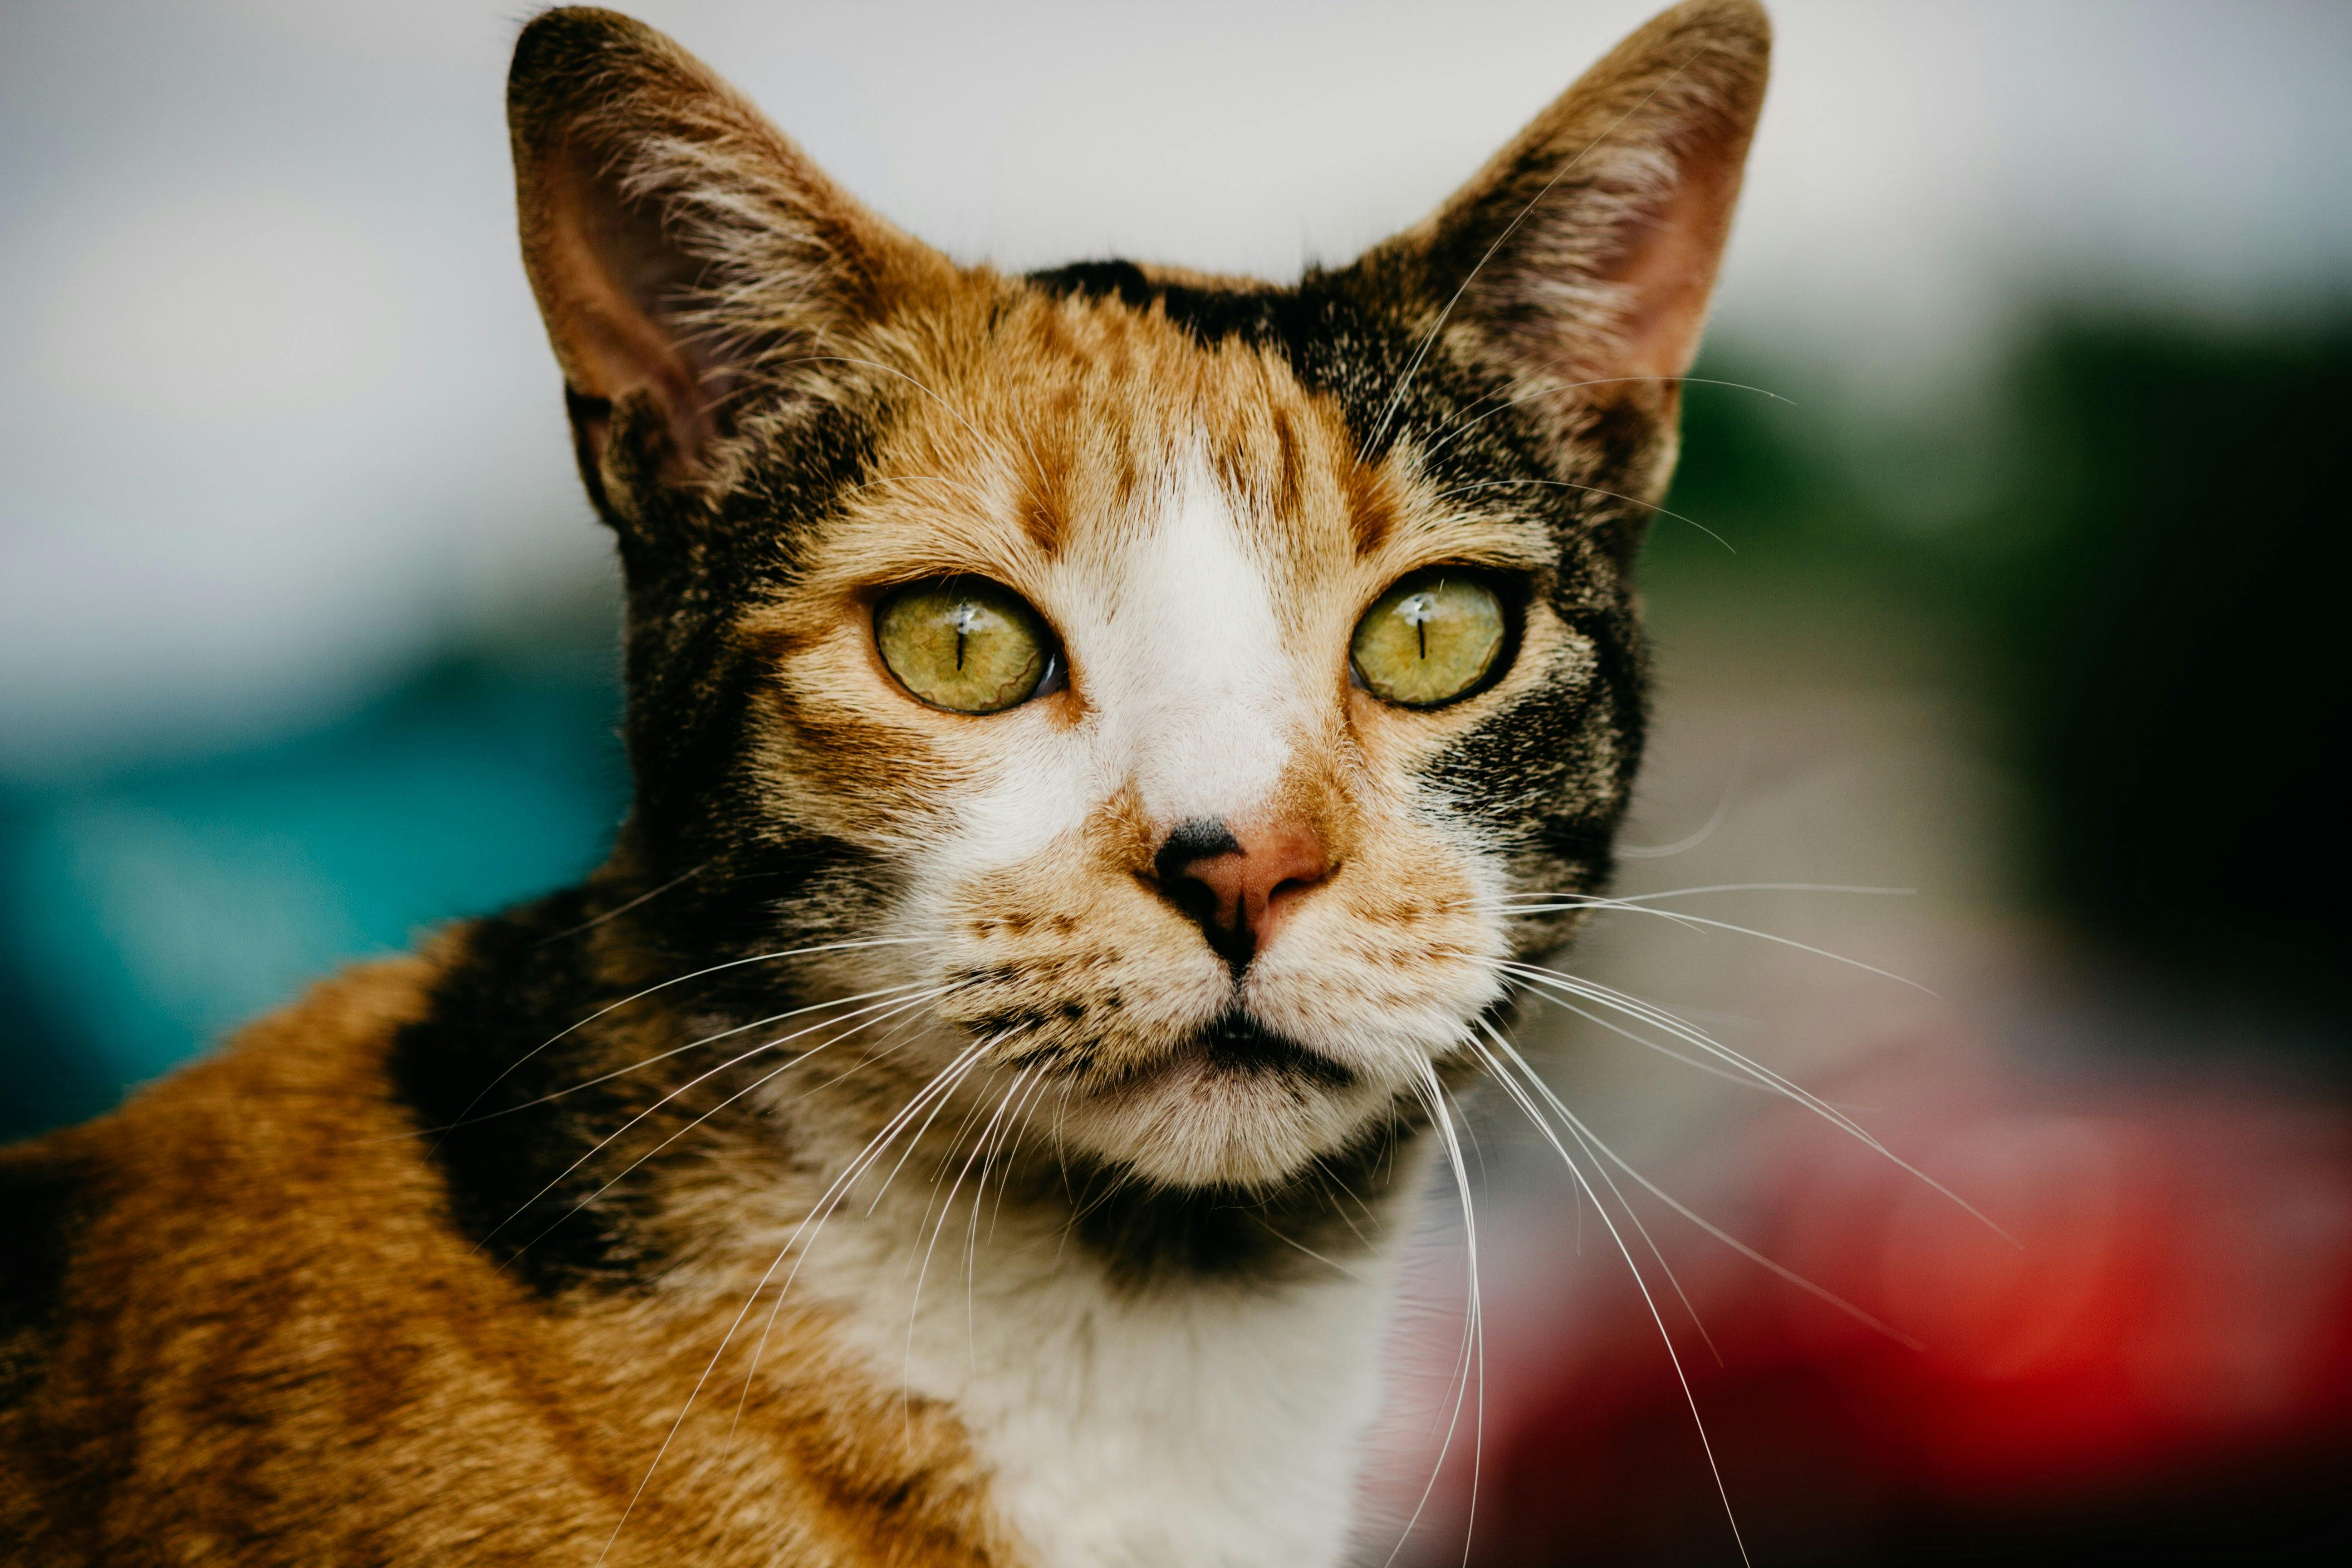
x: 1198, y: 698
x: 1194, y: 700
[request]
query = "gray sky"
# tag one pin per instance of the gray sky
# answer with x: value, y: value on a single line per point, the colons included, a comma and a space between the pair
x: 275, y: 411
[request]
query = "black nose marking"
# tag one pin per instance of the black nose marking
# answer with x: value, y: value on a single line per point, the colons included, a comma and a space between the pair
x: 1203, y: 838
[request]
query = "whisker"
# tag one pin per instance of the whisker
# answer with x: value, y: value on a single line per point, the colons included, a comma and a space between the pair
x: 1690, y: 841
x: 938, y: 1091
x: 1656, y: 1317
x: 1715, y: 888
x: 1634, y: 1006
x: 916, y: 1142
x: 1477, y: 1301
x: 665, y: 1056
x: 1561, y: 903
x: 891, y: 1008
x: 1020, y: 1130
x: 1631, y: 1216
x: 680, y: 979
x: 1340, y: 1196
x: 892, y: 1042
x: 1745, y: 1080
x: 679, y: 881
x: 728, y: 1337
x: 1464, y: 425
x: 1585, y: 902
x: 1546, y: 980
x: 1594, y: 490
x: 1591, y: 1141
x: 915, y: 1308
x: 972, y: 1228
x: 1332, y: 1264
x: 971, y: 1114
x: 1471, y: 1355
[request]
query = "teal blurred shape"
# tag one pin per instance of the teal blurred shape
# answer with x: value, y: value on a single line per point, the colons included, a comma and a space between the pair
x: 145, y: 914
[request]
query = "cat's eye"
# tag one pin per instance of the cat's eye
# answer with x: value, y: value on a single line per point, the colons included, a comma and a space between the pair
x: 965, y: 644
x: 1432, y: 638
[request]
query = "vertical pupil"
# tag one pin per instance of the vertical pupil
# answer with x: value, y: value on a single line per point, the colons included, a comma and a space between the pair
x: 967, y: 617
x: 1418, y: 610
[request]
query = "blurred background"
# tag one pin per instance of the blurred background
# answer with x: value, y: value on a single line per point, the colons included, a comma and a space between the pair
x: 2020, y: 587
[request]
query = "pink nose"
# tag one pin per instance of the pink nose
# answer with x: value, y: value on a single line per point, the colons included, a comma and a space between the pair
x: 1239, y: 883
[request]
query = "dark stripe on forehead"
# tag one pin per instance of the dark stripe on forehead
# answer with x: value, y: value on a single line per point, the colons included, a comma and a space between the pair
x: 1210, y: 315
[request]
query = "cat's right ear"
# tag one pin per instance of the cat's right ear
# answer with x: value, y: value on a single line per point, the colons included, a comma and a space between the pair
x: 690, y: 262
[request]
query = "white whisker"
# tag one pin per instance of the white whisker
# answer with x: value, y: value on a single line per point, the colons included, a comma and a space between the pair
x: 1715, y: 819
x: 1632, y: 1006
x: 1649, y: 1300
x: 1332, y: 1264
x: 970, y: 1055
x: 1471, y: 1359
x: 1464, y: 425
x: 1630, y: 907
x: 1591, y: 1141
x: 938, y: 1091
x: 674, y: 1051
x: 1593, y: 491
x: 1717, y: 888
x: 618, y: 909
x: 979, y: 1197
x: 680, y: 979
x: 1747, y: 1080
x: 889, y: 1008
x: 915, y: 1307
x: 1633, y: 1218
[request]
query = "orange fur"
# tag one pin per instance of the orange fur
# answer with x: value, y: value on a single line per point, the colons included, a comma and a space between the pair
x: 275, y: 1349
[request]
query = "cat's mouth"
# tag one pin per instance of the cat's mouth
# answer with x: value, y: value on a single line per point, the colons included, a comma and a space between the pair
x: 1234, y: 1101
x: 1237, y: 1043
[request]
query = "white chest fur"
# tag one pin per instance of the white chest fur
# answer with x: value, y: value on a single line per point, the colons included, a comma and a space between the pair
x: 1203, y: 1425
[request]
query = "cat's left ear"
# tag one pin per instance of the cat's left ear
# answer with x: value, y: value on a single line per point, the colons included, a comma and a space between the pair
x: 1580, y: 261
x: 689, y: 260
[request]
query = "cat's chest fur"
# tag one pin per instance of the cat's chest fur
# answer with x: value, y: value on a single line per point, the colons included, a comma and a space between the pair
x: 1181, y: 1422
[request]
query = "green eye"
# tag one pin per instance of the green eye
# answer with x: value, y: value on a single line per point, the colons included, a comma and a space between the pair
x: 964, y: 643
x: 1429, y: 639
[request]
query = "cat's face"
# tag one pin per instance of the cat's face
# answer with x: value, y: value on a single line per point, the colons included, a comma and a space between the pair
x: 1175, y: 679
x: 1199, y: 539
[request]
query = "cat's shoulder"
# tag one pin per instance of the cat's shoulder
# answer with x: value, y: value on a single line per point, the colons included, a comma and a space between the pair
x: 224, y: 1158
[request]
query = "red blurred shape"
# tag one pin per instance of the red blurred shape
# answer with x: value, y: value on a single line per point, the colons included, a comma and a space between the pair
x: 2166, y: 1327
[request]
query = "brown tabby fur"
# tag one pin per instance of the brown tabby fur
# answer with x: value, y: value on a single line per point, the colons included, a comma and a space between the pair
x: 250, y: 1322
x: 279, y: 1351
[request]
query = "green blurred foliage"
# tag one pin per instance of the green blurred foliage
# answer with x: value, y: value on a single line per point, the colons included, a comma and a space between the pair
x: 2132, y: 560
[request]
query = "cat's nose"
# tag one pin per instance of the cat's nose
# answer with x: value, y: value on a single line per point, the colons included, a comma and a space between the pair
x: 1238, y: 883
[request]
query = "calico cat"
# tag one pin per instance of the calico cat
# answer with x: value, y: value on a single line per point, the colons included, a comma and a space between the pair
x: 1091, y: 732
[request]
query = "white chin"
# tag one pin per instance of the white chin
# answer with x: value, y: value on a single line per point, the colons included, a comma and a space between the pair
x: 1197, y: 1123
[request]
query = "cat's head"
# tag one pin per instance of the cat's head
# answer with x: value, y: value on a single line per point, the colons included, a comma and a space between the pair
x: 1173, y: 678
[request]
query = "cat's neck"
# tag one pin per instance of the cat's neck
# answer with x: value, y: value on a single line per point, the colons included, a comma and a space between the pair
x: 1193, y: 1416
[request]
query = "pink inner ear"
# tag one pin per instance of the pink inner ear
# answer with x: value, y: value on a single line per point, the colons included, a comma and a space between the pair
x: 1667, y: 271
x: 606, y: 268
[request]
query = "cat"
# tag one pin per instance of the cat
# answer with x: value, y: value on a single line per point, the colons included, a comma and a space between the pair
x: 1090, y: 733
